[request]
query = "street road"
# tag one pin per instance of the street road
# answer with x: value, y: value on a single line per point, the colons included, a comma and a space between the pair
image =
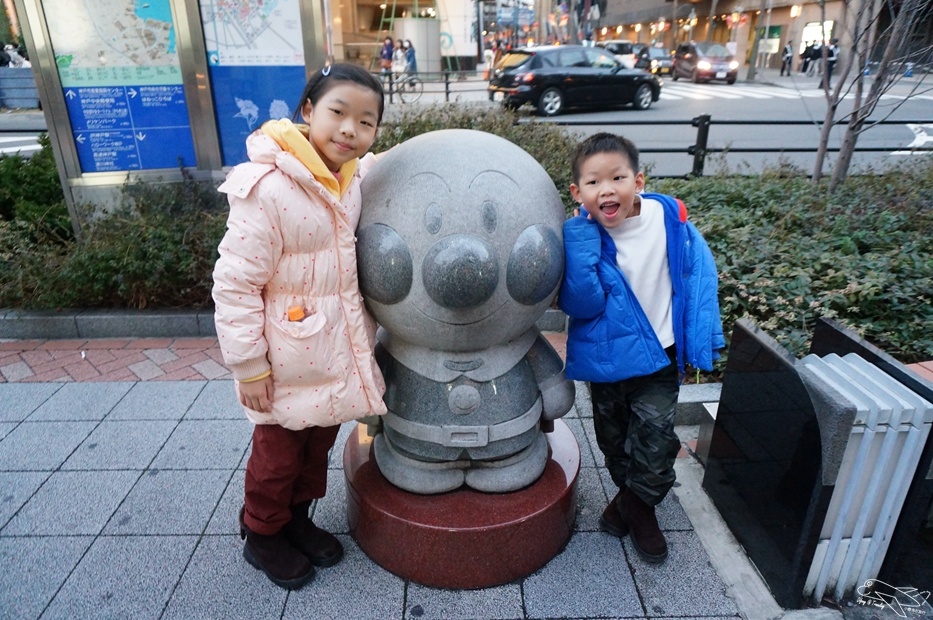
x: 774, y: 98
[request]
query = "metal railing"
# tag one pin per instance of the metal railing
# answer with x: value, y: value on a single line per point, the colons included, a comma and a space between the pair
x: 701, y: 148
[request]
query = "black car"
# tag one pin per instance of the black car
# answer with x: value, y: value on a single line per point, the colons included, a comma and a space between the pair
x: 555, y: 77
x: 656, y: 60
x: 702, y: 62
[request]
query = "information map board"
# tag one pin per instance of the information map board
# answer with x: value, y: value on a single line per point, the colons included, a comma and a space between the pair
x: 122, y: 83
x: 256, y: 62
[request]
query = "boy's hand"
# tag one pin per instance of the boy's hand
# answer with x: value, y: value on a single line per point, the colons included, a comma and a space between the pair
x: 257, y: 395
x: 576, y: 212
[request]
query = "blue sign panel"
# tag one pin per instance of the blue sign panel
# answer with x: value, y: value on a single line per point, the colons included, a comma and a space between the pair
x: 130, y: 127
x: 246, y: 97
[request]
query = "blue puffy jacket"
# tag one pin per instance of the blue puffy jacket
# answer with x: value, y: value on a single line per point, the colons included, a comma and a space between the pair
x: 610, y: 338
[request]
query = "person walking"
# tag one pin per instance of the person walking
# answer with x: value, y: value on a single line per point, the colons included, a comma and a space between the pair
x: 386, y: 53
x: 832, y: 55
x: 411, y: 61
x: 787, y: 58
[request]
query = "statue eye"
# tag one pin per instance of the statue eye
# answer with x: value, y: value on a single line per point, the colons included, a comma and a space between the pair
x: 490, y: 217
x: 535, y: 265
x: 385, y: 264
x: 433, y: 218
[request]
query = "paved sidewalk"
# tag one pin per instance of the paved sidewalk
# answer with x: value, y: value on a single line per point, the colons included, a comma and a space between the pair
x: 121, y: 490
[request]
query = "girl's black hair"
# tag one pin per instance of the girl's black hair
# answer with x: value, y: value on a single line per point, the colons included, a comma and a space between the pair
x: 328, y: 77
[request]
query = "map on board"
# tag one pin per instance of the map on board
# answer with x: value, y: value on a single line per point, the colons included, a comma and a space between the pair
x: 103, y: 40
x: 252, y: 32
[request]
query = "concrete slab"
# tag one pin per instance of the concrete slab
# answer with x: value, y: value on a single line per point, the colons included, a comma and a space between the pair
x: 137, y: 324
x: 33, y: 571
x: 72, y: 502
x: 205, y: 444
x: 566, y: 587
x: 224, y: 518
x: 121, y: 444
x: 218, y: 583
x: 19, y: 400
x: 41, y: 446
x: 158, y: 400
x: 217, y: 401
x: 166, y: 502
x: 123, y: 577
x: 81, y: 401
x: 591, y: 500
x: 18, y: 487
x: 499, y: 603
x: 686, y: 583
x: 356, y: 588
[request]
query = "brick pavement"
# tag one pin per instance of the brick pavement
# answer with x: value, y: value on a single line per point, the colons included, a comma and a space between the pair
x: 126, y: 359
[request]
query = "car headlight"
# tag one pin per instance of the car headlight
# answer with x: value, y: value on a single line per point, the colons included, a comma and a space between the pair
x: 733, y: 65
x: 704, y: 65
x: 654, y: 64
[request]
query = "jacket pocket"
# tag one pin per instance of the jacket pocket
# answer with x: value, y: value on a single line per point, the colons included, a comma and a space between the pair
x: 301, y: 352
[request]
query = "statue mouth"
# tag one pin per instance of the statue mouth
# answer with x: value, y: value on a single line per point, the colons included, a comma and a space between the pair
x: 462, y: 323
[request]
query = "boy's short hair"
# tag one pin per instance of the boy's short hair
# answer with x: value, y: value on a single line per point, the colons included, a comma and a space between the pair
x: 603, y: 142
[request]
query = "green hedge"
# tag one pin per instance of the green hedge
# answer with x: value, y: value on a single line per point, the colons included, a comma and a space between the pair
x: 788, y: 252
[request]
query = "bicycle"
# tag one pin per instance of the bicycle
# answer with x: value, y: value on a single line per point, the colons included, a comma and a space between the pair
x: 407, y: 87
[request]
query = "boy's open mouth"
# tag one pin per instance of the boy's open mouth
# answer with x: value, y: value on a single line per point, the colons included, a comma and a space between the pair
x: 610, y: 208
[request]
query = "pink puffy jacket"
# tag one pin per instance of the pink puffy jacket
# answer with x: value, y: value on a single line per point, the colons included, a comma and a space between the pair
x: 290, y: 242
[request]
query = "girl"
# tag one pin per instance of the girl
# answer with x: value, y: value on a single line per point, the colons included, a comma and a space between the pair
x: 290, y: 320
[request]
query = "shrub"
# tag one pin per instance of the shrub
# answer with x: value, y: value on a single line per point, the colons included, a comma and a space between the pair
x: 787, y: 252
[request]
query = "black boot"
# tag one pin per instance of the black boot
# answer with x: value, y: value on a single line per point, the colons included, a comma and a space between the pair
x: 611, y: 520
x: 320, y: 547
x: 282, y: 563
x: 647, y: 536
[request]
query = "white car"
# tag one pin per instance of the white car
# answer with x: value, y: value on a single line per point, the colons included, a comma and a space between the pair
x: 625, y: 51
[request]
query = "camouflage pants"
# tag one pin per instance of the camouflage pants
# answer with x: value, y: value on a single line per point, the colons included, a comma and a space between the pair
x: 634, y: 422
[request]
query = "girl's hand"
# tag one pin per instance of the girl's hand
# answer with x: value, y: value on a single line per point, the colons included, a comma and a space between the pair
x: 257, y: 395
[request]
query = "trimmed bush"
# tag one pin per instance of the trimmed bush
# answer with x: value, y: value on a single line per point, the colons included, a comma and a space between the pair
x: 787, y: 252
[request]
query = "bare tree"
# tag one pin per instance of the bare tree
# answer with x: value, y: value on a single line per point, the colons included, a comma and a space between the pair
x: 897, y: 45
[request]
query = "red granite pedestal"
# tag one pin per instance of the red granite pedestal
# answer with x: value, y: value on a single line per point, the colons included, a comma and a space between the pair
x: 462, y: 539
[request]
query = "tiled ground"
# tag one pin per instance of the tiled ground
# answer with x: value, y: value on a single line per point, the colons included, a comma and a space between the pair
x: 120, y: 498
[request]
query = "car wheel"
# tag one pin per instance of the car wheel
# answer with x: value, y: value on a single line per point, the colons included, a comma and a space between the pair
x: 730, y: 81
x: 551, y: 102
x: 643, y: 97
x: 695, y: 77
x: 674, y: 75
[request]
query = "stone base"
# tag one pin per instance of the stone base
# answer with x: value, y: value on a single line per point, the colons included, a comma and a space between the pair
x: 462, y: 539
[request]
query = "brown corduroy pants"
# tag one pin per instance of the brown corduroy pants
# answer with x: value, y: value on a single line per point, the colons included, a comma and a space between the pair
x: 285, y: 468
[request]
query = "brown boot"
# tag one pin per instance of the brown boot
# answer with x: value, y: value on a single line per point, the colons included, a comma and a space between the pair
x: 611, y: 521
x: 320, y: 547
x: 284, y: 565
x: 647, y: 536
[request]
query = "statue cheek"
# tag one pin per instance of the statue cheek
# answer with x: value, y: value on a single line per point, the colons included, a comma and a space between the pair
x: 535, y: 265
x: 385, y: 264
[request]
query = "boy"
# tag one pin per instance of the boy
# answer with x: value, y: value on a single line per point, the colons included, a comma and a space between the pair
x: 640, y: 290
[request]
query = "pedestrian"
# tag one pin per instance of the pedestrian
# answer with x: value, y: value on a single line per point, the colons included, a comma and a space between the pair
x: 411, y: 61
x: 787, y: 58
x: 639, y: 287
x: 290, y: 320
x: 386, y: 53
x: 398, y: 58
x: 816, y: 59
x: 805, y: 58
x: 832, y: 55
x: 4, y: 56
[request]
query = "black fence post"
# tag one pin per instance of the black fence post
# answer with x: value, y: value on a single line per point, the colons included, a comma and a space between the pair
x: 698, y: 150
x: 391, y: 77
x: 447, y: 85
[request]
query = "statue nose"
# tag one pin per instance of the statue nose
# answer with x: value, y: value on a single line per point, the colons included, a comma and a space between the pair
x: 460, y: 271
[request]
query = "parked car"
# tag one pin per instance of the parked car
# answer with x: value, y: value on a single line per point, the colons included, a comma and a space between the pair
x: 625, y: 52
x: 554, y: 77
x: 702, y: 62
x: 655, y: 60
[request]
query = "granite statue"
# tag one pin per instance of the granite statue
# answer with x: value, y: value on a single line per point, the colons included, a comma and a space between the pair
x: 460, y: 252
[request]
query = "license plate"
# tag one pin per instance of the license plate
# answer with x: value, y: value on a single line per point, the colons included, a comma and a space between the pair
x: 720, y: 75
x: 498, y: 96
